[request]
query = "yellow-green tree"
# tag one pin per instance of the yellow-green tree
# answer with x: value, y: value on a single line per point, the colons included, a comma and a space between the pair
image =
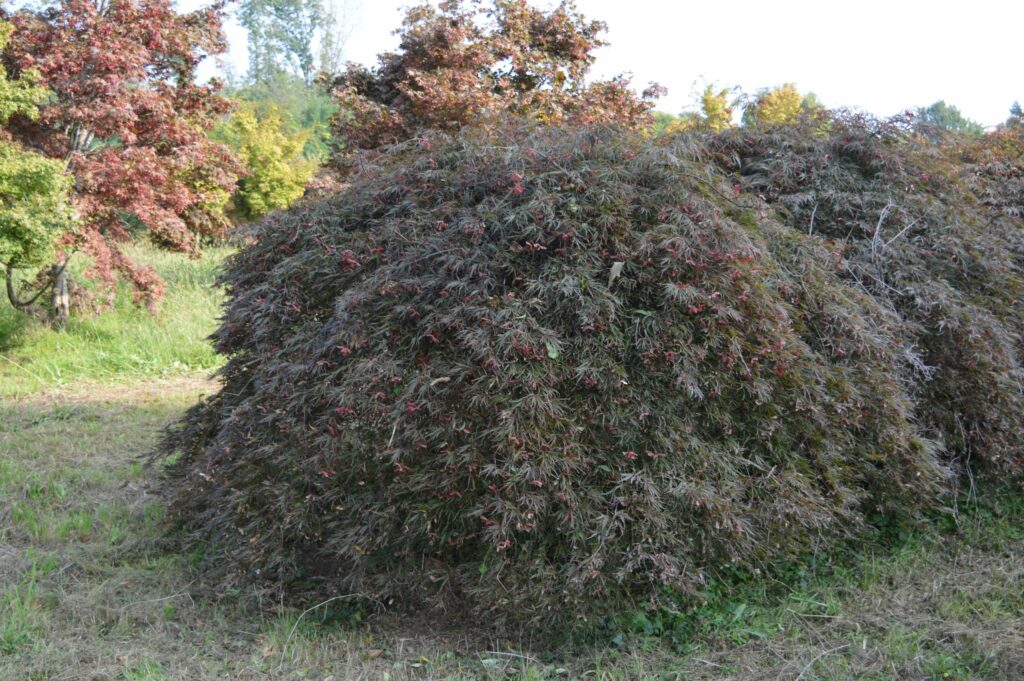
x: 715, y: 112
x: 275, y: 170
x: 35, y: 207
x: 782, y: 104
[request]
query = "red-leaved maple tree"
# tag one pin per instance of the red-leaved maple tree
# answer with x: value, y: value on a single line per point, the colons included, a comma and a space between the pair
x: 127, y: 114
x: 465, y: 62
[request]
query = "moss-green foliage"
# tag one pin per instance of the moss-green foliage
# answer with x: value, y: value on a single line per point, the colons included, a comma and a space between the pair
x: 275, y: 169
x: 34, y: 191
x: 546, y: 373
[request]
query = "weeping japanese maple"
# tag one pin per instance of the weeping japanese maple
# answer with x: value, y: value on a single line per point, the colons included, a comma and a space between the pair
x: 542, y: 374
x: 932, y: 228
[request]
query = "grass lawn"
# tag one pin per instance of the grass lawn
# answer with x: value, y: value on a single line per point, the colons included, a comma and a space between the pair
x: 125, y: 342
x: 92, y: 588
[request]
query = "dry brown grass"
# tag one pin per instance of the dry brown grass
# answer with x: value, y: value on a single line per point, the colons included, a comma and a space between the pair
x: 91, y: 588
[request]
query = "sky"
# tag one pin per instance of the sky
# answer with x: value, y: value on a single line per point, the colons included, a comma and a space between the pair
x: 882, y: 57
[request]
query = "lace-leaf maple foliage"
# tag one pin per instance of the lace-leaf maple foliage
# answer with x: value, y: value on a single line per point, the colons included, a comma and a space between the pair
x: 473, y: 62
x: 126, y: 113
x: 545, y: 374
x: 931, y: 226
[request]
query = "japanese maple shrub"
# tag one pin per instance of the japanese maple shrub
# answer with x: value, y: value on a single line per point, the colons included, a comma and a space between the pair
x: 472, y: 62
x: 541, y: 374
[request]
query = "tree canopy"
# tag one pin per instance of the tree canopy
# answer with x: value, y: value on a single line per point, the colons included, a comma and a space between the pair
x: 34, y: 190
x: 782, y: 104
x: 127, y: 114
x: 465, y: 62
x: 947, y: 117
x: 275, y: 171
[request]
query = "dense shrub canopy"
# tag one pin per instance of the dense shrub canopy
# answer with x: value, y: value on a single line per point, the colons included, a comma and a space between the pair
x: 540, y: 373
x: 932, y: 232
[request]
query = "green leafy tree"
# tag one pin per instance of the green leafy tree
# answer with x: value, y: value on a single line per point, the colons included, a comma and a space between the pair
x: 34, y: 205
x: 298, y: 37
x: 1016, y: 119
x: 34, y: 190
x: 947, y: 117
x: 275, y: 170
x: 714, y: 114
x: 281, y: 36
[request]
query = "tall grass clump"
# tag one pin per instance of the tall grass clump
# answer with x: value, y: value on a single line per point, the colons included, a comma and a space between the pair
x: 542, y: 374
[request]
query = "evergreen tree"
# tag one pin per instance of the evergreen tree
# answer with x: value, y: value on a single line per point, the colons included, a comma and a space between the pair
x: 947, y: 117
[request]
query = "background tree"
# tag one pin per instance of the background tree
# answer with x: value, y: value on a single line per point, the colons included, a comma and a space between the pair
x: 339, y: 20
x: 302, y: 110
x: 782, y: 104
x: 282, y: 35
x: 298, y: 37
x: 1016, y: 119
x: 275, y: 170
x: 947, y: 117
x: 466, y: 62
x: 714, y: 114
x: 126, y: 114
x: 34, y: 190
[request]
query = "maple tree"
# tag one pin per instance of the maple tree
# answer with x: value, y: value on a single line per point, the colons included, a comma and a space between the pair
x: 461, y: 63
x: 714, y: 115
x: 126, y: 113
x: 782, y: 104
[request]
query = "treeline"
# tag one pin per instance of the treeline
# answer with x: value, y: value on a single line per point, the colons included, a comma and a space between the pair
x: 715, y: 110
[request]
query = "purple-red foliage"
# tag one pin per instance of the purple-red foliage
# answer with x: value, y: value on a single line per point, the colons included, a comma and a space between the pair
x: 127, y: 115
x: 544, y: 374
x: 471, y: 62
x: 932, y: 230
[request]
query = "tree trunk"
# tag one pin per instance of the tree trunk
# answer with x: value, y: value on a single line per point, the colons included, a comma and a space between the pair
x: 60, y: 308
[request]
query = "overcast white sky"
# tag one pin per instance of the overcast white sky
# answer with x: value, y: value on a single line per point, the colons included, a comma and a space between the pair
x: 881, y: 56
